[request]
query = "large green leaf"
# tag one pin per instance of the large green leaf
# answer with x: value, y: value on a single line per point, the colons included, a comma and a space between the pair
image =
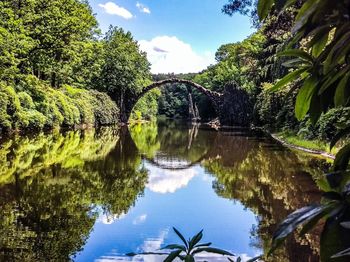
x: 189, y: 258
x: 313, y: 221
x: 345, y: 224
x: 293, y: 62
x: 287, y: 79
x: 181, y: 237
x: 294, y: 220
x: 212, y: 250
x: 297, y: 53
x: 175, y: 246
x: 341, y: 161
x: 319, y: 44
x: 334, y: 239
x: 195, y: 240
x: 317, y: 34
x: 254, y: 259
x: 204, y: 245
x: 341, y: 134
x: 307, y: 9
x: 304, y: 97
x: 338, y: 46
x: 264, y: 6
x: 331, y: 78
x: 343, y: 253
x: 172, y: 256
x: 340, y: 93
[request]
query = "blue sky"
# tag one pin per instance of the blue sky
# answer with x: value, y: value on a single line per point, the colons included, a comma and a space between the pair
x: 173, y: 30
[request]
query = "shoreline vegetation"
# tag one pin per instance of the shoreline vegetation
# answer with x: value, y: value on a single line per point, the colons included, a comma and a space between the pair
x: 312, y: 147
x: 40, y: 107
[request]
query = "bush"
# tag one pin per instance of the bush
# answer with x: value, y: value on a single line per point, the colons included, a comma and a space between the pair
x: 32, y: 104
x: 327, y: 126
x: 105, y: 110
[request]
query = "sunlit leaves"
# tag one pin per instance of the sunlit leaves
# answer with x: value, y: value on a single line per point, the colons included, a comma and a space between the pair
x: 264, y: 8
x: 304, y: 97
x: 287, y: 79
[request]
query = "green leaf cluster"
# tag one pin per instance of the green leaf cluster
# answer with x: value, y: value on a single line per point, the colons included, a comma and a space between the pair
x: 34, y: 105
x: 320, y: 48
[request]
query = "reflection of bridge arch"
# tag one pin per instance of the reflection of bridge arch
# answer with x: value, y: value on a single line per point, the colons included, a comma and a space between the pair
x: 172, y: 167
x: 129, y: 103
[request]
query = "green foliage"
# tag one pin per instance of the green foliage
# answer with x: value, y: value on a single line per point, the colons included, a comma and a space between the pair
x: 321, y: 63
x: 147, y: 106
x: 274, y: 110
x: 173, y: 102
x: 238, y: 62
x: 41, y: 37
x: 46, y: 46
x: 125, y: 68
x: 145, y: 137
x: 41, y: 106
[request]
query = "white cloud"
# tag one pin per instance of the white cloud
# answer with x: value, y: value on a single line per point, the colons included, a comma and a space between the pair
x: 142, y: 8
x: 113, y: 9
x: 168, y: 181
x: 139, y: 220
x: 171, y: 55
x: 154, y: 244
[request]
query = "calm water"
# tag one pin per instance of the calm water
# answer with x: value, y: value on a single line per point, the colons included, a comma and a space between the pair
x: 96, y: 195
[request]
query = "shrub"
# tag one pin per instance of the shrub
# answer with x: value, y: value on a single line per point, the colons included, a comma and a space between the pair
x: 105, y: 110
x: 32, y: 104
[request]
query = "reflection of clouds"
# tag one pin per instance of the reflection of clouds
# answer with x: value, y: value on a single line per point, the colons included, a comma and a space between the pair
x: 157, y: 258
x: 140, y: 219
x: 109, y: 219
x: 168, y: 181
x: 149, y: 245
x: 154, y: 244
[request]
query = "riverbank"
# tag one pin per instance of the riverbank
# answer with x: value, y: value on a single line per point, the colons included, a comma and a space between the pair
x: 32, y: 105
x: 314, y: 147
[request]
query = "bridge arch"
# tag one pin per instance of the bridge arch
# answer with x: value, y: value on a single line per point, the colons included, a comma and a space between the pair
x: 127, y: 108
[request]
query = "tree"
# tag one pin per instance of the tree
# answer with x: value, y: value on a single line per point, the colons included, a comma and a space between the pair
x: 244, y: 7
x: 125, y: 68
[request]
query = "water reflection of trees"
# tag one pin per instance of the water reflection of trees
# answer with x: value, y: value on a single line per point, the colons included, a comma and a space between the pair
x: 265, y: 177
x: 172, y: 140
x: 50, y: 186
x: 268, y: 180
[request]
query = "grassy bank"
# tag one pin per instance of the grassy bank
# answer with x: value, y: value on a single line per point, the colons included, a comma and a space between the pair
x: 315, y: 145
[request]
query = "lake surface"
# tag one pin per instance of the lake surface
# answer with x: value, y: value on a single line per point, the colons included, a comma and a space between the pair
x: 96, y: 195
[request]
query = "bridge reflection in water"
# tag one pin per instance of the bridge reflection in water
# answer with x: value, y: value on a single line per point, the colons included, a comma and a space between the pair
x: 55, y: 189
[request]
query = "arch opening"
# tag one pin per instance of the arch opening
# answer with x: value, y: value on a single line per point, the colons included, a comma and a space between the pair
x: 214, y: 97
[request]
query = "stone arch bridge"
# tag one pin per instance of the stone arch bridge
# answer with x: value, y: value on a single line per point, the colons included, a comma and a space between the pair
x: 225, y: 104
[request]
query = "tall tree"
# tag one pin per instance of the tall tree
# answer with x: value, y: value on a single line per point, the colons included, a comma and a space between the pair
x: 125, y: 68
